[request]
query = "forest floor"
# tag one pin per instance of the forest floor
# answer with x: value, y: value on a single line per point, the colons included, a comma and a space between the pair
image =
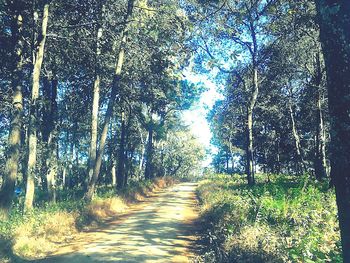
x: 159, y: 229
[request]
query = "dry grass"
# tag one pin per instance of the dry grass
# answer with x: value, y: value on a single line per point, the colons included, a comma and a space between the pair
x: 35, y: 239
x: 253, y: 244
x: 101, y: 209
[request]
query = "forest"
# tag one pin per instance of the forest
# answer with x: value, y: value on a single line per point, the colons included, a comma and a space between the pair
x: 93, y: 136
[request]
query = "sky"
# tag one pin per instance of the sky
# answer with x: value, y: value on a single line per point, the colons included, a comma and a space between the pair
x: 196, y: 116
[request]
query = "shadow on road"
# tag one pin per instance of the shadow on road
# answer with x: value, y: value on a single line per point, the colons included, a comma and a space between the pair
x: 162, y: 231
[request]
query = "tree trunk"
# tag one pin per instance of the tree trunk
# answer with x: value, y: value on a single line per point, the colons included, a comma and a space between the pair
x: 113, y: 173
x: 320, y: 146
x: 250, y: 109
x: 320, y: 163
x: 94, y: 127
x: 96, y: 94
x: 149, y: 156
x: 32, y: 129
x: 92, y: 184
x: 300, y: 160
x: 227, y: 162
x: 278, y: 157
x: 64, y: 173
x: 250, y: 148
x: 117, y: 75
x: 143, y: 151
x: 50, y: 136
x: 251, y: 105
x: 14, y: 139
x: 121, y: 155
x: 128, y: 165
x: 335, y: 38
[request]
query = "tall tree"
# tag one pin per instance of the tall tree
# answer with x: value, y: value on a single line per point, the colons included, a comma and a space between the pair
x: 334, y: 23
x: 33, y: 115
x: 14, y: 139
x: 96, y: 90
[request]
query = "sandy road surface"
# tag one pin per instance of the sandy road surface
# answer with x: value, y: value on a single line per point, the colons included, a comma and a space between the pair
x: 158, y: 230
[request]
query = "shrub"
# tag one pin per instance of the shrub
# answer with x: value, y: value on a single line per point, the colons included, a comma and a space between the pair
x: 280, y: 221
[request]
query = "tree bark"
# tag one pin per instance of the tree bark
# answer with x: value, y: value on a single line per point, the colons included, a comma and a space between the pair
x: 143, y: 150
x: 334, y: 23
x: 300, y: 160
x: 32, y: 129
x: 14, y: 139
x: 320, y: 145
x: 96, y: 94
x: 251, y: 106
x: 250, y: 138
x: 227, y: 162
x: 49, y: 132
x: 113, y: 173
x: 277, y: 165
x: 149, y: 155
x: 121, y: 155
x: 320, y: 163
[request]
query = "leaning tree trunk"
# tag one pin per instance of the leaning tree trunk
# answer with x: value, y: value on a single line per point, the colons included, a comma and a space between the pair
x: 143, y: 150
x: 116, y: 79
x: 334, y: 22
x: 14, y: 139
x: 298, y: 149
x: 33, y: 122
x: 94, y: 126
x: 96, y: 94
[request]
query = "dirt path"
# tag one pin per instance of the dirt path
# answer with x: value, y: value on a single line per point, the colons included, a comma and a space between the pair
x: 158, y: 230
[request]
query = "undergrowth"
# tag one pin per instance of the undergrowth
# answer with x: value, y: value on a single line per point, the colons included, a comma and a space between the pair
x: 33, y: 235
x: 283, y: 220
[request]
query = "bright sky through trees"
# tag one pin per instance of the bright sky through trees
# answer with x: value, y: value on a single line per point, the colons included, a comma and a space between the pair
x: 196, y: 116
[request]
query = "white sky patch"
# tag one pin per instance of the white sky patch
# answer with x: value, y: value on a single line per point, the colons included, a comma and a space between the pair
x: 196, y: 116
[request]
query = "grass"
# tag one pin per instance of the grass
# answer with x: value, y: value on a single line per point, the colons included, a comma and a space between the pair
x: 35, y: 234
x: 280, y: 221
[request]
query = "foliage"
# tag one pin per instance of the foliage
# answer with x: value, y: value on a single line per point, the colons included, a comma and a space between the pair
x: 278, y: 221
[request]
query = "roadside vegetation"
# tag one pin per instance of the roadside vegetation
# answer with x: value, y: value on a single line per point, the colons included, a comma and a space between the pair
x: 34, y: 235
x: 286, y: 219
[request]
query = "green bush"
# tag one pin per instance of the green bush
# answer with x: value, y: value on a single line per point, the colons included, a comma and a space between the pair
x: 283, y: 220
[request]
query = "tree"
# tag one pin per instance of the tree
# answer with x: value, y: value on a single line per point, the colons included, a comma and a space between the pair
x: 33, y: 115
x: 335, y: 38
x: 243, y: 27
x: 14, y: 139
x: 96, y: 90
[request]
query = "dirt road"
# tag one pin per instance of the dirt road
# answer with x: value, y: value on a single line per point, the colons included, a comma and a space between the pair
x: 158, y: 230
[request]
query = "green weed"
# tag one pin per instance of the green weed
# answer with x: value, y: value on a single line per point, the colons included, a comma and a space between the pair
x: 276, y: 221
